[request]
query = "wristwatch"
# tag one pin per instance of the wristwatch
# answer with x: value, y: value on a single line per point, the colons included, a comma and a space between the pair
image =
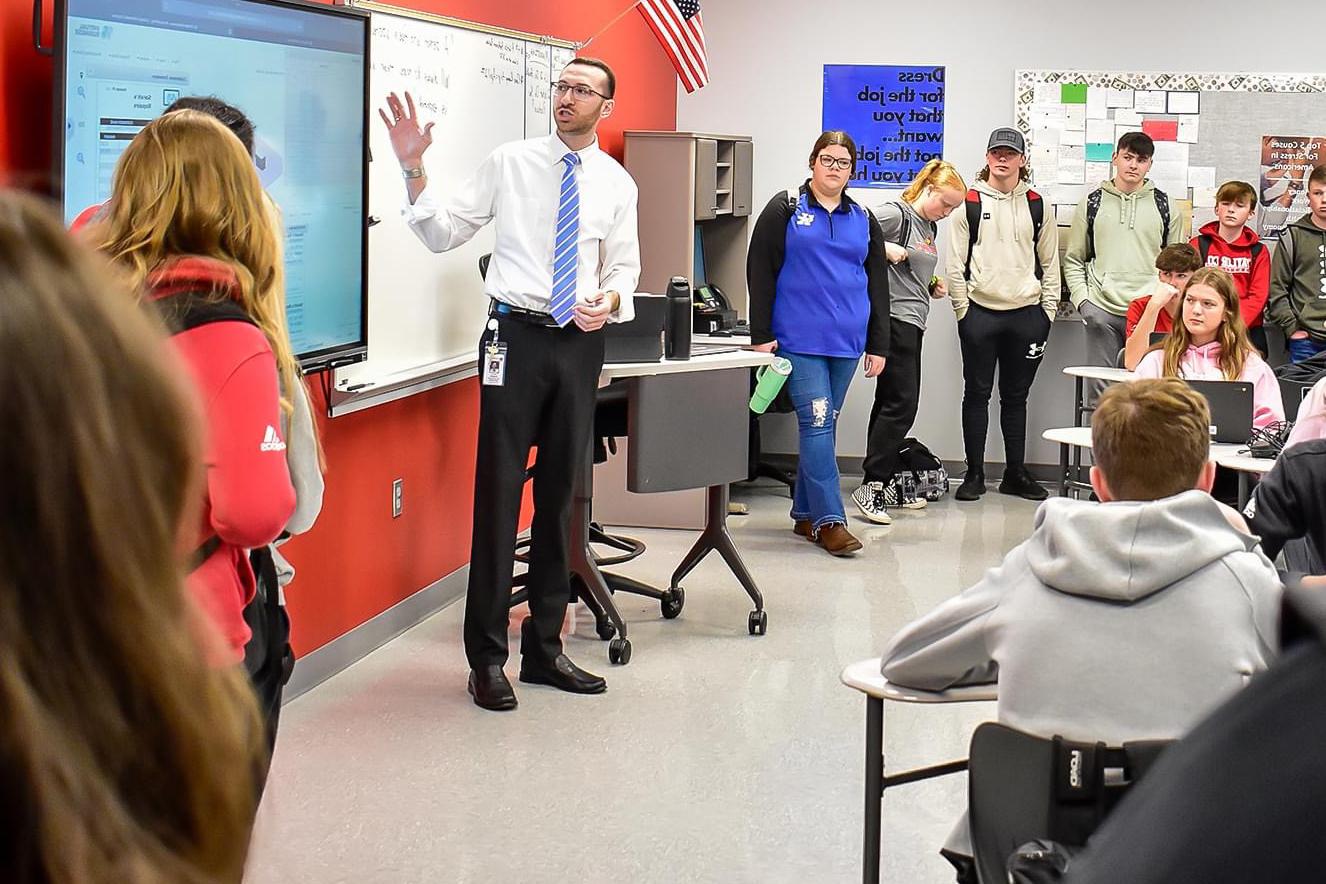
x: 416, y: 172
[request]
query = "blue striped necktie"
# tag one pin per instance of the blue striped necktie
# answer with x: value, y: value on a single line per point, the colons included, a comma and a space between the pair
x: 562, y: 306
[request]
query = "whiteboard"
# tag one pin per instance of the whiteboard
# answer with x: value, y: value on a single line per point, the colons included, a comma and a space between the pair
x: 482, y: 87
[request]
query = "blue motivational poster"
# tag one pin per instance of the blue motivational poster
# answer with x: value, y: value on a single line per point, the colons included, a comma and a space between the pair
x: 894, y: 113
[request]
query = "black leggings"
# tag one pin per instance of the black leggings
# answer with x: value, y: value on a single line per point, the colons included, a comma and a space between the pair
x: 897, y: 393
x: 1013, y: 340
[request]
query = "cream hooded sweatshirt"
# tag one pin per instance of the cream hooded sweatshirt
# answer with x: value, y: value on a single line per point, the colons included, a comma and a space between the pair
x: 1003, y: 266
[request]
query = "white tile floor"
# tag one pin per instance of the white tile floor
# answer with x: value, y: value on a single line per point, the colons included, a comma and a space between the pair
x: 714, y: 756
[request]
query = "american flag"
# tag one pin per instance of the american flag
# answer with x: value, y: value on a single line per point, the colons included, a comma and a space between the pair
x: 677, y: 25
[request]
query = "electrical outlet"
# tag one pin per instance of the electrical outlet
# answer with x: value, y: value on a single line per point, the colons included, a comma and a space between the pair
x: 397, y: 493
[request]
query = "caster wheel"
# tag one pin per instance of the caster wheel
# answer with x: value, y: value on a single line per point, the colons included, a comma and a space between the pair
x: 672, y: 602
x: 605, y: 629
x: 619, y: 651
x: 758, y: 624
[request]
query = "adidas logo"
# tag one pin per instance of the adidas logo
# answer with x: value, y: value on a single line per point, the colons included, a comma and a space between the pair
x: 271, y: 441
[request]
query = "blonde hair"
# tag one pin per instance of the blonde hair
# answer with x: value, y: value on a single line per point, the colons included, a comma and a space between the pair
x: 124, y: 755
x: 1232, y: 336
x: 1150, y: 438
x: 185, y: 186
x: 935, y: 174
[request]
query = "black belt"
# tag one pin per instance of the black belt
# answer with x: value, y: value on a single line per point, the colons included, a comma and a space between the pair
x: 520, y: 314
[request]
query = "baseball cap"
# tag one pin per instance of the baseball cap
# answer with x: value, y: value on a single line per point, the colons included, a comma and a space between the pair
x: 1010, y: 138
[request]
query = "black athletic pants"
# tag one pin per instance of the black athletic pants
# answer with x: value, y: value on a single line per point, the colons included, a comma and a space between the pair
x: 546, y: 401
x: 897, y: 395
x: 1014, y: 342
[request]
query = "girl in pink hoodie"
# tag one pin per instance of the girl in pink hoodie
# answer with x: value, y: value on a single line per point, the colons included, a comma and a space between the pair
x: 1211, y: 344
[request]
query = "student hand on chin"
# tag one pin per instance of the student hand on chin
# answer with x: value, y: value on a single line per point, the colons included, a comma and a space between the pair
x: 592, y: 315
x: 874, y: 365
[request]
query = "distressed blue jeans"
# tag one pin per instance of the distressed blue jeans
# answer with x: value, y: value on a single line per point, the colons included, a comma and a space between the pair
x: 817, y: 387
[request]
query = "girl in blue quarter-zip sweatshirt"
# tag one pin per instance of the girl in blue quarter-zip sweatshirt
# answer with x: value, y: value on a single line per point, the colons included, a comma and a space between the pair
x: 819, y: 295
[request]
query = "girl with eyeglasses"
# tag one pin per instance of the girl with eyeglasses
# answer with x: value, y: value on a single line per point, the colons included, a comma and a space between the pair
x: 819, y: 296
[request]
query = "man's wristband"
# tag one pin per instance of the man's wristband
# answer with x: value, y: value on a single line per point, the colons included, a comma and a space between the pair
x: 416, y: 172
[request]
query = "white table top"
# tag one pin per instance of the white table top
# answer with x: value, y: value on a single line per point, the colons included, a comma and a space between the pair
x: 1246, y: 464
x: 865, y: 677
x: 706, y: 362
x: 1099, y: 372
x: 1220, y: 451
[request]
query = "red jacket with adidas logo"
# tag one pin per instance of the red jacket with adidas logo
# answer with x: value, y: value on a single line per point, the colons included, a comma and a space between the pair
x: 248, y: 496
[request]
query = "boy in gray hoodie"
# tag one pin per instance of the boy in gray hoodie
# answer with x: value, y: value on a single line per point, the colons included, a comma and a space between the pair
x: 1110, y: 258
x: 1123, y: 620
x: 1297, y: 301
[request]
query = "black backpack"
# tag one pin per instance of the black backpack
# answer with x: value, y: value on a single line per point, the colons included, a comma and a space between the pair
x: 1093, y: 209
x: 1034, y: 203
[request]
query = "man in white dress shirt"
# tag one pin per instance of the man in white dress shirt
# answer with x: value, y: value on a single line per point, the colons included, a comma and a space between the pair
x: 566, y: 260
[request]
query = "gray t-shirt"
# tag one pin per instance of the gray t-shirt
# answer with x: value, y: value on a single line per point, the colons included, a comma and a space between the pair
x: 909, y: 280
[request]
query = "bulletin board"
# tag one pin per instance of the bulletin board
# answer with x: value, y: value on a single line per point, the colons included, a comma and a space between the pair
x: 1266, y: 129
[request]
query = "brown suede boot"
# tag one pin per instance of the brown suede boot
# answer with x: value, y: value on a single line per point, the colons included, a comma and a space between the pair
x: 837, y: 540
x: 801, y: 528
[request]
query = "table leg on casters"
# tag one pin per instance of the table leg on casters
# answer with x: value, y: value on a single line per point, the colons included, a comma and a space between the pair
x: 1063, y: 470
x: 874, y: 788
x: 715, y: 536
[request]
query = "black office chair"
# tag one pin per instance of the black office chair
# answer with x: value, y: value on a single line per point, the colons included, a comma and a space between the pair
x: 1024, y: 789
x: 760, y: 464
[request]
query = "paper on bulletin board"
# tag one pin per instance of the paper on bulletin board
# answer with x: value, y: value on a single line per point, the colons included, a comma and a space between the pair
x: 1096, y: 107
x: 1098, y: 171
x: 1169, y: 169
x: 1072, y: 164
x: 1044, y: 158
x: 1128, y: 118
x: 1204, y: 197
x: 1100, y: 131
x: 1073, y: 93
x: 1099, y: 151
x: 1119, y: 98
x: 1149, y: 101
x: 1046, y: 138
x: 1188, y: 126
x: 1201, y: 176
x: 1120, y: 131
x: 1069, y: 136
x: 1045, y: 93
x: 1202, y: 217
x: 1063, y: 215
x: 1183, y: 102
x: 1075, y: 117
x: 1070, y: 194
x: 1048, y: 116
x: 1161, y: 130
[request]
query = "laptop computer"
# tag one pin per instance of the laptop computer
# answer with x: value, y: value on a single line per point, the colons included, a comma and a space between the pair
x: 1231, y: 409
x: 1155, y: 338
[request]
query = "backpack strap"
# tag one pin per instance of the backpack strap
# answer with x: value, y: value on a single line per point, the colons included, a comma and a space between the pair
x: 1036, y: 206
x: 204, y: 552
x: 973, y: 207
x: 1204, y: 246
x: 793, y: 198
x: 1093, y: 209
x: 1255, y: 251
x: 1162, y: 206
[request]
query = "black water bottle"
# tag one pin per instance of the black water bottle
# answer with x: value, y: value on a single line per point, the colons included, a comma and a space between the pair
x: 677, y: 323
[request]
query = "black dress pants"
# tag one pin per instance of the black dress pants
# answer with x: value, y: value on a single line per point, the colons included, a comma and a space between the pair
x: 547, y: 401
x: 1013, y: 341
x: 897, y: 396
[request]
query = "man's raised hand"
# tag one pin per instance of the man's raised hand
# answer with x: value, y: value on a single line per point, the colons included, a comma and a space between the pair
x: 408, y: 141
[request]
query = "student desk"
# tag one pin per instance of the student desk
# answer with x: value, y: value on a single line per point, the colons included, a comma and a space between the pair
x: 1247, y: 467
x: 1079, y: 438
x: 1070, y: 475
x: 865, y: 676
x: 687, y: 428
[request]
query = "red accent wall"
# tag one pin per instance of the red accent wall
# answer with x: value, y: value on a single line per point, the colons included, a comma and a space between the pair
x: 358, y: 561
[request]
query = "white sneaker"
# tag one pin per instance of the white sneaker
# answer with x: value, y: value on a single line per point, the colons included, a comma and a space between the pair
x: 869, y: 498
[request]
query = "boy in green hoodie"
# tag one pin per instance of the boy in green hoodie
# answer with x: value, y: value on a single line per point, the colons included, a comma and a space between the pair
x: 1298, y: 276
x: 1118, y: 230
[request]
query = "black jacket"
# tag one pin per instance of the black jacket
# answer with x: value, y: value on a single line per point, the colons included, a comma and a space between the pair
x: 1290, y: 501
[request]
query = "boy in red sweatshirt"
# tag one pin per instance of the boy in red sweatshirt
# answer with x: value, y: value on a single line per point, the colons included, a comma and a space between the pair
x: 1228, y: 243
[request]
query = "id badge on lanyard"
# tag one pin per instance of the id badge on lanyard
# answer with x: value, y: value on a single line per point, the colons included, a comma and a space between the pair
x: 492, y: 359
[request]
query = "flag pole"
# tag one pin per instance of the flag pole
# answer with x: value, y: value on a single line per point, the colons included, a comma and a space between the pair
x: 600, y: 31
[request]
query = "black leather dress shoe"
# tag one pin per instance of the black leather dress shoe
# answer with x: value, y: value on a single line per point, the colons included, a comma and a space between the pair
x: 562, y: 674
x: 490, y: 689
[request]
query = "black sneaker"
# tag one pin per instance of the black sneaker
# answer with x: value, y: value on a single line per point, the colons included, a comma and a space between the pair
x: 973, y: 485
x: 1020, y: 483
